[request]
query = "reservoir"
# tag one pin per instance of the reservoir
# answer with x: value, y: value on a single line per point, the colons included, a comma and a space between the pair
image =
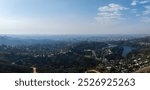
x: 126, y: 49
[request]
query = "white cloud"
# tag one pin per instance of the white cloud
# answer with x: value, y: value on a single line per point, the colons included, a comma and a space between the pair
x: 110, y: 13
x: 134, y: 2
x: 144, y: 1
x: 135, y: 12
x: 112, y: 7
x: 147, y: 11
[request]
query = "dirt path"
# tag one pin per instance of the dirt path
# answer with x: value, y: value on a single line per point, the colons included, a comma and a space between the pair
x: 34, y: 69
x: 92, y: 71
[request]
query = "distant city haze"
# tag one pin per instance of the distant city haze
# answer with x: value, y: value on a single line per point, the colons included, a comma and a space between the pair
x: 74, y: 17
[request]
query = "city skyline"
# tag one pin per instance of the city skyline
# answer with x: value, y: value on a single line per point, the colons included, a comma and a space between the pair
x: 74, y: 17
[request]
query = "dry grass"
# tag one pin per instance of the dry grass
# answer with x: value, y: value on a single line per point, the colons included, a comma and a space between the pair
x: 144, y: 70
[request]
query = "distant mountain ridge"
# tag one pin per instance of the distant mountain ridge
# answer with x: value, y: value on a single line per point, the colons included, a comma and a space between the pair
x: 6, y: 40
x: 35, y: 39
x: 9, y: 40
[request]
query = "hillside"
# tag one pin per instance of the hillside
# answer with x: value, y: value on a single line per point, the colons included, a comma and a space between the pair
x: 144, y: 70
x: 10, y: 68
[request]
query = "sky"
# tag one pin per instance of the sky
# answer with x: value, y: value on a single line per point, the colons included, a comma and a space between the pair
x: 63, y: 17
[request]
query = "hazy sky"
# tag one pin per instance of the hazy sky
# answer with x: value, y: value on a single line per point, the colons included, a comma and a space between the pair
x: 74, y: 16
